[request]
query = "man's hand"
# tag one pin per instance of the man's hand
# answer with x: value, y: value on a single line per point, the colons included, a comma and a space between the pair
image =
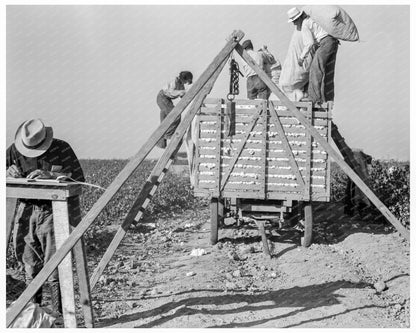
x: 182, y: 93
x: 13, y: 171
x: 41, y: 174
x: 300, y: 62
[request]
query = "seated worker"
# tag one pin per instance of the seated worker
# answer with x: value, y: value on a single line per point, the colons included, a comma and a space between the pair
x: 256, y: 88
x: 173, y: 90
x: 35, y: 153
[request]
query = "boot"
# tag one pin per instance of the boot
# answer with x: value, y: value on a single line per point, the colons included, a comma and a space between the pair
x: 56, y: 297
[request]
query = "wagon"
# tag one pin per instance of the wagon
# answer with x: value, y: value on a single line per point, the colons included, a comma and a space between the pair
x: 255, y: 159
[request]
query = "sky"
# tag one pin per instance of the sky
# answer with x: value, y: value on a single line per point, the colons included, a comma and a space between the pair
x: 93, y: 72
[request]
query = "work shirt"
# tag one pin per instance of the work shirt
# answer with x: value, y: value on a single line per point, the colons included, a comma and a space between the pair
x: 312, y: 33
x: 59, y: 158
x: 174, y: 88
x: 258, y: 58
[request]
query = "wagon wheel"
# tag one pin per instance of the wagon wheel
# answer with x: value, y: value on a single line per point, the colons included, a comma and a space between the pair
x: 306, y: 240
x: 217, y: 218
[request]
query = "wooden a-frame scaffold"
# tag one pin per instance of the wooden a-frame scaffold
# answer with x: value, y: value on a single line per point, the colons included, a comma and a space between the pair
x: 196, y: 94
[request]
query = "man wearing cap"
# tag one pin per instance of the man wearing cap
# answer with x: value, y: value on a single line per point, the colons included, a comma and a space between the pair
x: 35, y: 153
x: 174, y: 89
x: 256, y: 88
x: 321, y: 75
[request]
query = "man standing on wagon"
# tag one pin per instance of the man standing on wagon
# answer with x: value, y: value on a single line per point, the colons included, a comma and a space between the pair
x: 321, y: 75
x: 256, y: 88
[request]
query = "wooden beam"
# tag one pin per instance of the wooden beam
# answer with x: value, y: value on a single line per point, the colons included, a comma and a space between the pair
x: 282, y: 135
x: 240, y: 147
x: 156, y: 176
x: 121, y: 178
x: 66, y: 277
x: 331, y: 151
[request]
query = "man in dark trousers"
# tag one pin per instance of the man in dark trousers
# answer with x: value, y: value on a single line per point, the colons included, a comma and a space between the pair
x: 174, y: 89
x: 36, y: 154
x: 256, y: 88
x: 321, y: 74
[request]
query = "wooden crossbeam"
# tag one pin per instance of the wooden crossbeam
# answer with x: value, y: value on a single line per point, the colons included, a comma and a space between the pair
x: 331, y: 151
x: 17, y: 307
x: 155, y: 178
x: 288, y: 149
x: 240, y: 147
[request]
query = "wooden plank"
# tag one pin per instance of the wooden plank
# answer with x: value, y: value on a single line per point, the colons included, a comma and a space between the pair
x: 256, y: 178
x: 262, y: 176
x: 66, y: 278
x: 122, y: 177
x: 240, y: 148
x: 260, y: 225
x: 81, y: 264
x: 328, y: 167
x: 196, y: 157
x: 243, y: 187
x: 217, y: 152
x: 37, y: 193
x: 331, y: 151
x: 288, y: 148
x: 308, y: 158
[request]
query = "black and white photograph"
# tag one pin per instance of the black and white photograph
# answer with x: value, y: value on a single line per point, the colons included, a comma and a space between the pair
x: 195, y: 164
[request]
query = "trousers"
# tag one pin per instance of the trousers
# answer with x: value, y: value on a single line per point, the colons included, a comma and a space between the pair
x: 34, y: 238
x: 322, y: 70
x: 256, y: 88
x: 166, y: 106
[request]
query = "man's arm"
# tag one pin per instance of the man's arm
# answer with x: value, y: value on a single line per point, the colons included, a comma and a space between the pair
x: 308, y: 40
x: 61, y: 154
x: 172, y: 92
x: 12, y: 169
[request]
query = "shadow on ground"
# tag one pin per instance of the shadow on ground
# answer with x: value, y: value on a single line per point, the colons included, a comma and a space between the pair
x: 302, y: 298
x: 330, y: 226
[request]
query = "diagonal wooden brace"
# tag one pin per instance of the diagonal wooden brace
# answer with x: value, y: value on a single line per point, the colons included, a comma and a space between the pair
x: 285, y: 142
x: 17, y: 307
x: 241, y: 146
x: 156, y: 176
x: 331, y: 151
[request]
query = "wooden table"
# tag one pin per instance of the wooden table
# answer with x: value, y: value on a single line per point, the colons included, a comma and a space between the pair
x: 66, y: 215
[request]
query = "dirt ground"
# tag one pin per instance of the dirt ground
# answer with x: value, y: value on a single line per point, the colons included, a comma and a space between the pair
x: 355, y: 274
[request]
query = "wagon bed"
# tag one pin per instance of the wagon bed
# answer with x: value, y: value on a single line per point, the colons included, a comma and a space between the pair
x: 269, y: 154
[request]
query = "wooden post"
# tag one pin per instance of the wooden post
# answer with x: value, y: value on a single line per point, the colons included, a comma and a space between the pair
x: 331, y: 151
x: 122, y: 177
x: 155, y: 178
x: 81, y: 264
x: 260, y: 225
x: 66, y: 276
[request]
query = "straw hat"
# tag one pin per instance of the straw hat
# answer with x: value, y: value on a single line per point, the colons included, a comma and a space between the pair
x: 293, y: 14
x: 33, y: 138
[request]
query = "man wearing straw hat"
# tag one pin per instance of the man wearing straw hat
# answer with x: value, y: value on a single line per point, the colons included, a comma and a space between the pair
x: 321, y: 74
x: 35, y: 153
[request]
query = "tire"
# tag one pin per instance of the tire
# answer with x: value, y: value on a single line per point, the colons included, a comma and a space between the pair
x: 306, y: 240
